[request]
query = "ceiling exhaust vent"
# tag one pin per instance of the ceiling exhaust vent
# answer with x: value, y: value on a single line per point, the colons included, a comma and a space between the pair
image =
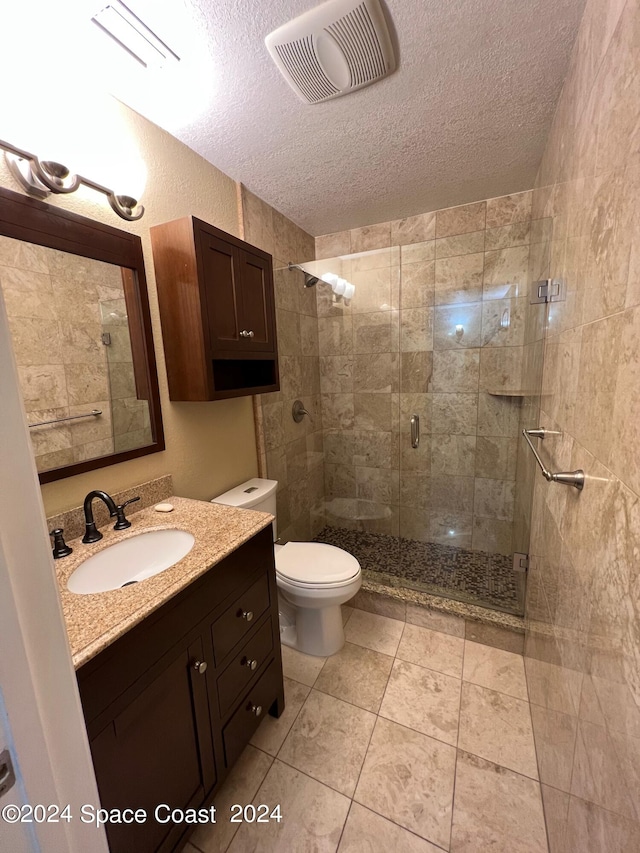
x: 334, y: 49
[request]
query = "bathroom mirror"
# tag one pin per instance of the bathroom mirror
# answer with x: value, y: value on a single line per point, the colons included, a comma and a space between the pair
x: 76, y: 299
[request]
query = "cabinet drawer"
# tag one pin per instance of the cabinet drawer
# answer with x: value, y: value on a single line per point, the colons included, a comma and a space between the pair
x: 237, y: 733
x: 244, y: 666
x: 238, y: 619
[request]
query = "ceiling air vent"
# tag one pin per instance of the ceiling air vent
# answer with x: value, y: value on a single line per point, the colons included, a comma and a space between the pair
x: 334, y: 49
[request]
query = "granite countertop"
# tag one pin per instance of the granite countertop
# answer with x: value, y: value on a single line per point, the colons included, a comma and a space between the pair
x: 95, y: 621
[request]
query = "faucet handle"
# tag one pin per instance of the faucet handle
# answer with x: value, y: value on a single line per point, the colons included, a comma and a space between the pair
x: 122, y: 522
x: 60, y: 547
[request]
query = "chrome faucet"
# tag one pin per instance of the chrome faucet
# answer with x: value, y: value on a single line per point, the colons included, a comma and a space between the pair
x: 91, y: 532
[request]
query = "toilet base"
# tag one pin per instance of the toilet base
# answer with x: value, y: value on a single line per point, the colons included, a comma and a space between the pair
x: 313, y: 631
x: 288, y: 635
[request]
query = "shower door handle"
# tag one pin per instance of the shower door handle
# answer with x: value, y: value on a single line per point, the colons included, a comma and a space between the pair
x: 415, y: 431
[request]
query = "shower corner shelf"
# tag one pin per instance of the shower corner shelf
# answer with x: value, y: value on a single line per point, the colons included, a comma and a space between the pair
x: 500, y: 392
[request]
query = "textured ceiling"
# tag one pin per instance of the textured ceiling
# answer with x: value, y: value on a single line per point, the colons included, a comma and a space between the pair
x: 465, y: 117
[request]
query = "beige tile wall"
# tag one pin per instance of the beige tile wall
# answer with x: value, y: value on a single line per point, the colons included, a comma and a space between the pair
x: 58, y: 306
x: 436, y: 327
x: 583, y: 608
x: 290, y: 453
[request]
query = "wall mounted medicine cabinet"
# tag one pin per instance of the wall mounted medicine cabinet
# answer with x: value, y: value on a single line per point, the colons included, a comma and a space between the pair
x: 217, y: 312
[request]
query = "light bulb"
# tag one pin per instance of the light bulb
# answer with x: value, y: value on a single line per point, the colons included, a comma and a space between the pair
x: 109, y: 154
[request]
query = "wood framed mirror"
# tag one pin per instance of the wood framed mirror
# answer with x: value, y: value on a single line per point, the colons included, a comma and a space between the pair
x: 76, y: 297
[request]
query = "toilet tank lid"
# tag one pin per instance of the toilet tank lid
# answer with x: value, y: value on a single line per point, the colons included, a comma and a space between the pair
x: 247, y: 494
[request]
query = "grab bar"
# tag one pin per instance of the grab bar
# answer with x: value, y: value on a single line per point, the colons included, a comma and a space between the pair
x: 567, y: 478
x: 415, y: 431
x: 92, y: 414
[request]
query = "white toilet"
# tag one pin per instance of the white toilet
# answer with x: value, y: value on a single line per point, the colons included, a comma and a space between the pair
x: 313, y: 579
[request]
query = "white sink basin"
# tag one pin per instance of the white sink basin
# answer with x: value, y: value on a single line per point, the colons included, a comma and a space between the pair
x: 131, y: 560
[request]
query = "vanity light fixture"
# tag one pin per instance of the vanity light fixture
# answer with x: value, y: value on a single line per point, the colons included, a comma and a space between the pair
x: 40, y: 178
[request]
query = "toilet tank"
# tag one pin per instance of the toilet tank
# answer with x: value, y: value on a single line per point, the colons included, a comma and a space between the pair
x: 253, y: 494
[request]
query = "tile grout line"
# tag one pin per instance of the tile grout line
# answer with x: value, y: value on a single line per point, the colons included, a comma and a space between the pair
x: 314, y: 778
x: 255, y: 793
x: 535, y: 748
x: 353, y: 800
x: 400, y: 826
x: 286, y: 737
x: 422, y: 666
x: 377, y: 717
x: 386, y: 817
x: 344, y: 825
x: 455, y: 769
x: 290, y: 727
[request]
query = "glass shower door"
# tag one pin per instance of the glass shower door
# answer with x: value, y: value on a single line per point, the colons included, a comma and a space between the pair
x: 359, y: 379
x: 463, y: 317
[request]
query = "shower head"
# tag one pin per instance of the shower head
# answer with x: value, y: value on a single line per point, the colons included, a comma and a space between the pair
x: 342, y: 289
x: 309, y: 279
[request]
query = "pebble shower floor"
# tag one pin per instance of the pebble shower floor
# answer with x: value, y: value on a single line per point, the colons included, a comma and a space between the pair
x: 471, y: 576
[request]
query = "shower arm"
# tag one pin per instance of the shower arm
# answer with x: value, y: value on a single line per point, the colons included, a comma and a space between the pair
x: 567, y: 478
x: 310, y: 280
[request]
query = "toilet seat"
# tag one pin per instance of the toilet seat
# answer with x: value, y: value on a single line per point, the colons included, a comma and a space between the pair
x: 315, y: 565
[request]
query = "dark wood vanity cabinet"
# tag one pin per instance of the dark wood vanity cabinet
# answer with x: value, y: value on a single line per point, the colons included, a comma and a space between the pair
x: 217, y: 312
x: 170, y: 706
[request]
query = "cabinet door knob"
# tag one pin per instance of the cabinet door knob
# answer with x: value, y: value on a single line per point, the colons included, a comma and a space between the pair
x: 246, y: 334
x: 247, y: 615
x: 200, y: 666
x: 252, y: 664
x: 256, y: 709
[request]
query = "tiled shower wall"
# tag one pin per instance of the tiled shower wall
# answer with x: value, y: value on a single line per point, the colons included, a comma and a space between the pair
x: 58, y: 306
x: 583, y: 605
x: 288, y: 452
x: 436, y: 328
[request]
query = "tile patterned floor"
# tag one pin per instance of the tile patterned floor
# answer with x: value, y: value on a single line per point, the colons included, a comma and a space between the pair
x: 471, y: 576
x: 407, y: 740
